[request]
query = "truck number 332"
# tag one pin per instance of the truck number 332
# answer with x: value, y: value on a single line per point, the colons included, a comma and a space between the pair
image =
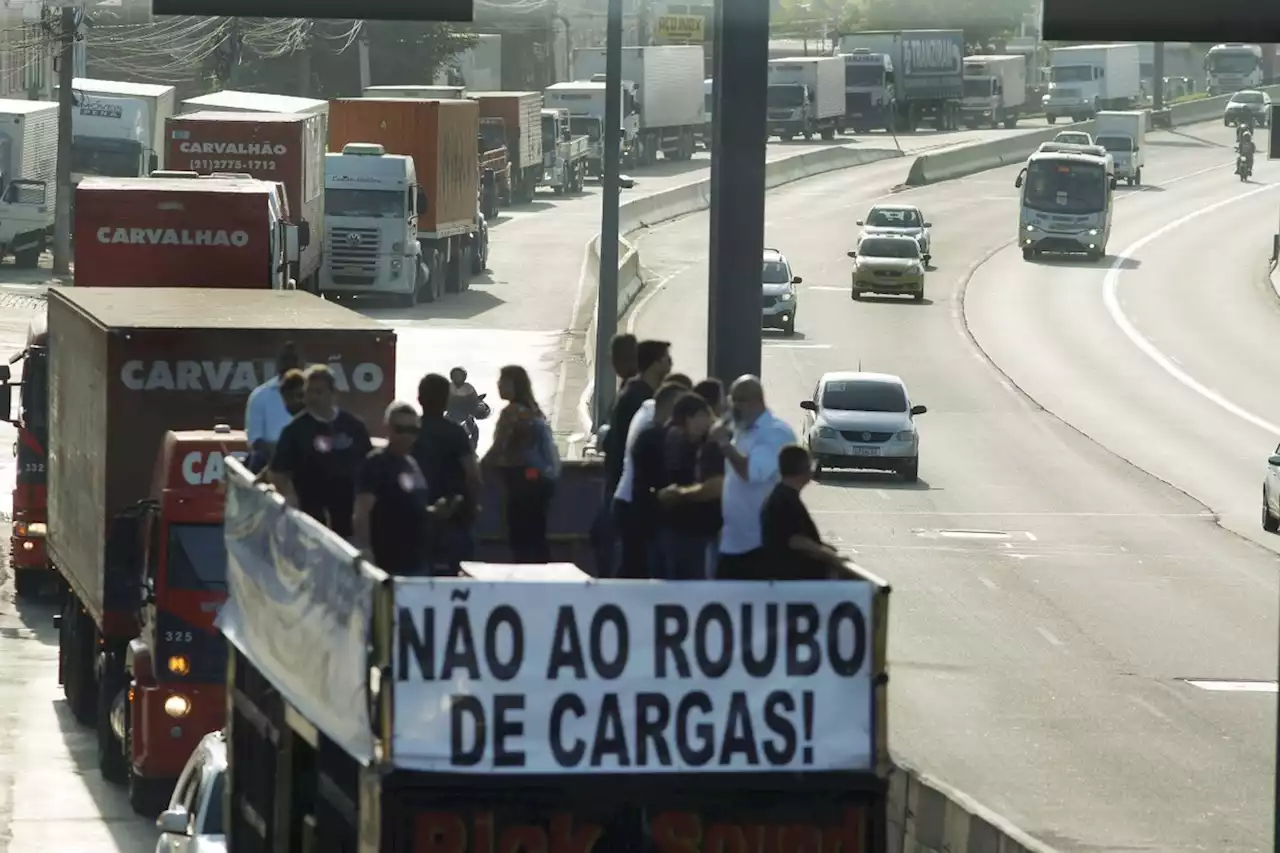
x: 177, y: 636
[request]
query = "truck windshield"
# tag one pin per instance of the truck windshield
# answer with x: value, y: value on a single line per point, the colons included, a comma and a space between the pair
x: 112, y: 158
x: 389, y: 204
x: 786, y: 96
x: 1120, y: 144
x: 1233, y: 63
x: 864, y: 75
x: 1071, y: 73
x: 1060, y: 186
x: 586, y: 125
x: 711, y: 102
x: 977, y: 87
x: 548, y: 133
x: 492, y: 136
x: 196, y: 557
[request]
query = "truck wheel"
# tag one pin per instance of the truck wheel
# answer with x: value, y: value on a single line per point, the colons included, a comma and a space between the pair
x: 76, y: 649
x: 111, y: 757
x: 26, y: 582
x: 829, y: 133
x: 27, y: 259
x: 1051, y: 119
x: 455, y: 281
x: 148, y: 797
x: 786, y: 137
x: 1137, y: 178
x: 1010, y: 122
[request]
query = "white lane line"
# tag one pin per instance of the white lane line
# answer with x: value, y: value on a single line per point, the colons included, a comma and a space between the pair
x: 1048, y: 637
x: 988, y: 583
x: 827, y: 287
x: 953, y: 512
x: 1030, y: 536
x: 883, y: 494
x: 1110, y: 287
x: 780, y: 345
x: 1149, y: 708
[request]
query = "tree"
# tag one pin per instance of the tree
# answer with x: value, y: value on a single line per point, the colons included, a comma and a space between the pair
x: 981, y: 20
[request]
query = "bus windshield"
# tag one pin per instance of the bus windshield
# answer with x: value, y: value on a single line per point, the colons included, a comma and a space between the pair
x: 1065, y: 186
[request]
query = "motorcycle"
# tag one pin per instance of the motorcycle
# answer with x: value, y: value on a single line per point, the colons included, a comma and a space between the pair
x: 1244, y: 167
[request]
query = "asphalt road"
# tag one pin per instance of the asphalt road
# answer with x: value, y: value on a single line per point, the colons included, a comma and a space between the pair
x: 1051, y: 598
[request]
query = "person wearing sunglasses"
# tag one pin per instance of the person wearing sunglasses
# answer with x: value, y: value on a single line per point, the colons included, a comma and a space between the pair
x: 392, y: 513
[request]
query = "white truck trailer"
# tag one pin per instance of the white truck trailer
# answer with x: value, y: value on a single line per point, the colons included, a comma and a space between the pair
x: 110, y: 137
x: 584, y: 99
x: 28, y: 165
x: 1124, y: 136
x: 158, y: 103
x: 670, y: 103
x: 1086, y: 78
x: 806, y: 97
x: 995, y: 90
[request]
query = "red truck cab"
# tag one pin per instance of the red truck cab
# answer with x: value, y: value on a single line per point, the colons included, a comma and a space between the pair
x: 177, y: 664
x: 28, y: 558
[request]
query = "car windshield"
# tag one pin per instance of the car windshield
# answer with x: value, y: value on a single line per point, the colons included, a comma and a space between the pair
x: 864, y: 395
x: 213, y: 814
x: 1062, y: 186
x: 776, y: 272
x: 196, y: 557
x: 1248, y: 98
x: 901, y: 248
x: 1115, y: 143
x: 885, y: 217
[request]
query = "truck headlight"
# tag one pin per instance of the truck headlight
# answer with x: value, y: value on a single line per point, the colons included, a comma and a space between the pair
x: 177, y: 706
x: 395, y: 264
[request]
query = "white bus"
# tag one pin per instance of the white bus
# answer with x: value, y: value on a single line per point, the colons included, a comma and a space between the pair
x: 1065, y: 201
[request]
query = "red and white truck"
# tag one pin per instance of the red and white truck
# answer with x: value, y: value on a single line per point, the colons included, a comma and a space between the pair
x: 284, y: 147
x: 184, y: 232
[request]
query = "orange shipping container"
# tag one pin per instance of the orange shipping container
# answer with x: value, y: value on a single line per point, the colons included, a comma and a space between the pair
x: 440, y: 136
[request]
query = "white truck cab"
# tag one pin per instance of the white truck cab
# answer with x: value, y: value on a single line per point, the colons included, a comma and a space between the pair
x: 111, y: 137
x: 371, y: 201
x: 28, y: 160
x: 584, y: 99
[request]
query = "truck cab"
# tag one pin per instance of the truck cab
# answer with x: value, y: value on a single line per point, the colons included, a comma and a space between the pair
x: 564, y: 155
x: 111, y: 137
x: 28, y: 558
x: 372, y: 200
x: 177, y: 664
x: 868, y: 89
x: 584, y: 99
x: 1232, y: 67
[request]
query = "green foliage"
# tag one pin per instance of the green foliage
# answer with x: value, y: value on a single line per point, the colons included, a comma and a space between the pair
x: 412, y: 52
x: 981, y: 20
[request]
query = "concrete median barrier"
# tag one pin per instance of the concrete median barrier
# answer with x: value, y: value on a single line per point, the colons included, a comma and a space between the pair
x: 928, y: 816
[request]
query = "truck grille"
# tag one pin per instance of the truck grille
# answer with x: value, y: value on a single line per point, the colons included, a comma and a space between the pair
x: 352, y: 255
x: 780, y: 114
x: 857, y: 103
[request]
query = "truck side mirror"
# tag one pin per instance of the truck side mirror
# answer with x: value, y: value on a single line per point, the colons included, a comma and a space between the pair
x: 122, y: 553
x: 566, y: 134
x: 422, y: 200
x: 1017, y: 182
x: 291, y: 245
x: 304, y: 235
x: 6, y: 403
x: 6, y: 373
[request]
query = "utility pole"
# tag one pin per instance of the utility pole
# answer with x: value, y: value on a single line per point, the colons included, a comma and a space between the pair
x: 1157, y: 83
x: 610, y: 191
x: 303, y: 55
x: 66, y: 103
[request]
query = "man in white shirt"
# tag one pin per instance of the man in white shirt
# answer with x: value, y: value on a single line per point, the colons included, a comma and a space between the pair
x: 266, y: 414
x: 751, y: 471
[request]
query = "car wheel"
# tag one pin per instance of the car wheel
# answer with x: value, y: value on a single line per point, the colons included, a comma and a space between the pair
x: 789, y: 327
x: 1270, y: 523
x: 817, y: 471
x: 910, y: 470
x: 918, y: 297
x: 856, y: 293
x: 1028, y: 254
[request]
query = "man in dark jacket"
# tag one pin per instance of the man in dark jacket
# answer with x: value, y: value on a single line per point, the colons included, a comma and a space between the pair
x: 653, y: 360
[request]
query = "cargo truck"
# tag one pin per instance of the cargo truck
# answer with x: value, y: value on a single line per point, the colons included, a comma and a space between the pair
x: 126, y: 367
x: 423, y: 93
x: 232, y: 101
x: 995, y: 90
x: 283, y: 147
x: 28, y: 163
x: 1086, y: 78
x: 913, y: 75
x: 584, y: 99
x: 669, y: 104
x: 28, y: 557
x: 564, y: 156
x: 110, y: 136
x: 1233, y: 67
x: 806, y: 97
x: 155, y: 104
x: 515, y: 118
x: 440, y: 138
x: 1124, y: 136
x: 194, y: 232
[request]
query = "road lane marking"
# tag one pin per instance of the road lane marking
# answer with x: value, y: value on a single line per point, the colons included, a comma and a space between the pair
x: 827, y: 287
x: 988, y: 583
x: 1110, y: 299
x: 1149, y: 708
x: 1217, y: 686
x: 781, y: 345
x: 1030, y: 536
x: 1048, y: 636
x: 1046, y: 514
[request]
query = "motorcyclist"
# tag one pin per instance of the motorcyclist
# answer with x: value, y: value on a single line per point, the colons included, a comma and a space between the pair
x: 465, y: 405
x: 1246, y: 149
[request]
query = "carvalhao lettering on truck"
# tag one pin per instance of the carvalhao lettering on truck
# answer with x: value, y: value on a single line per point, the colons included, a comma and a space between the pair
x: 199, y: 469
x: 171, y: 237
x: 256, y: 149
x: 935, y: 54
x: 234, y: 376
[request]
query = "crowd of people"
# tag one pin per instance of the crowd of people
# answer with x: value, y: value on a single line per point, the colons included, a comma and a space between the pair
x: 701, y: 484
x: 410, y: 505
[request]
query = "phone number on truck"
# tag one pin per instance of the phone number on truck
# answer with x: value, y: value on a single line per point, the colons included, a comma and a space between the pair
x: 233, y: 165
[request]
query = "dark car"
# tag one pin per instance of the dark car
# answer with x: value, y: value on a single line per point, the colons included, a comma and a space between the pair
x: 1250, y: 102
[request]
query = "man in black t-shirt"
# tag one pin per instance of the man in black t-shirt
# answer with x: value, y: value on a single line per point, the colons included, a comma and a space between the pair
x: 793, y: 548
x: 444, y: 453
x: 684, y: 527
x: 318, y: 455
x: 391, y: 510
x: 701, y: 500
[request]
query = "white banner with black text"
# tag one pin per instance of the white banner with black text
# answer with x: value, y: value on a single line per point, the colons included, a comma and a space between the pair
x: 640, y: 678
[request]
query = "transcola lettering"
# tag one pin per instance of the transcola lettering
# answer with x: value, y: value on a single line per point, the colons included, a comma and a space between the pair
x: 548, y: 678
x: 249, y: 149
x: 234, y: 376
x: 173, y: 237
x: 204, y: 469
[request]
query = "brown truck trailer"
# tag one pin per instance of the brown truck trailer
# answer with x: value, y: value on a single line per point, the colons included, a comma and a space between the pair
x: 283, y: 147
x: 517, y: 118
x: 440, y: 136
x: 127, y: 365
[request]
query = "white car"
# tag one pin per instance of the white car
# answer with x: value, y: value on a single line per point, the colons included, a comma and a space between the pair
x: 1073, y: 137
x: 898, y: 219
x: 193, y: 821
x: 1271, y: 494
x: 860, y: 420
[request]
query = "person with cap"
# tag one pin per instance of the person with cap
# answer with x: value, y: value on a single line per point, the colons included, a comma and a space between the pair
x: 392, y: 509
x: 266, y: 412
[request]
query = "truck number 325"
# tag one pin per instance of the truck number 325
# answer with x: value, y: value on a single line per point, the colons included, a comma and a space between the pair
x: 177, y: 636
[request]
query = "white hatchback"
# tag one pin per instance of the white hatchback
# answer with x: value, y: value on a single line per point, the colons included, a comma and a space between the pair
x: 860, y: 420
x: 193, y: 821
